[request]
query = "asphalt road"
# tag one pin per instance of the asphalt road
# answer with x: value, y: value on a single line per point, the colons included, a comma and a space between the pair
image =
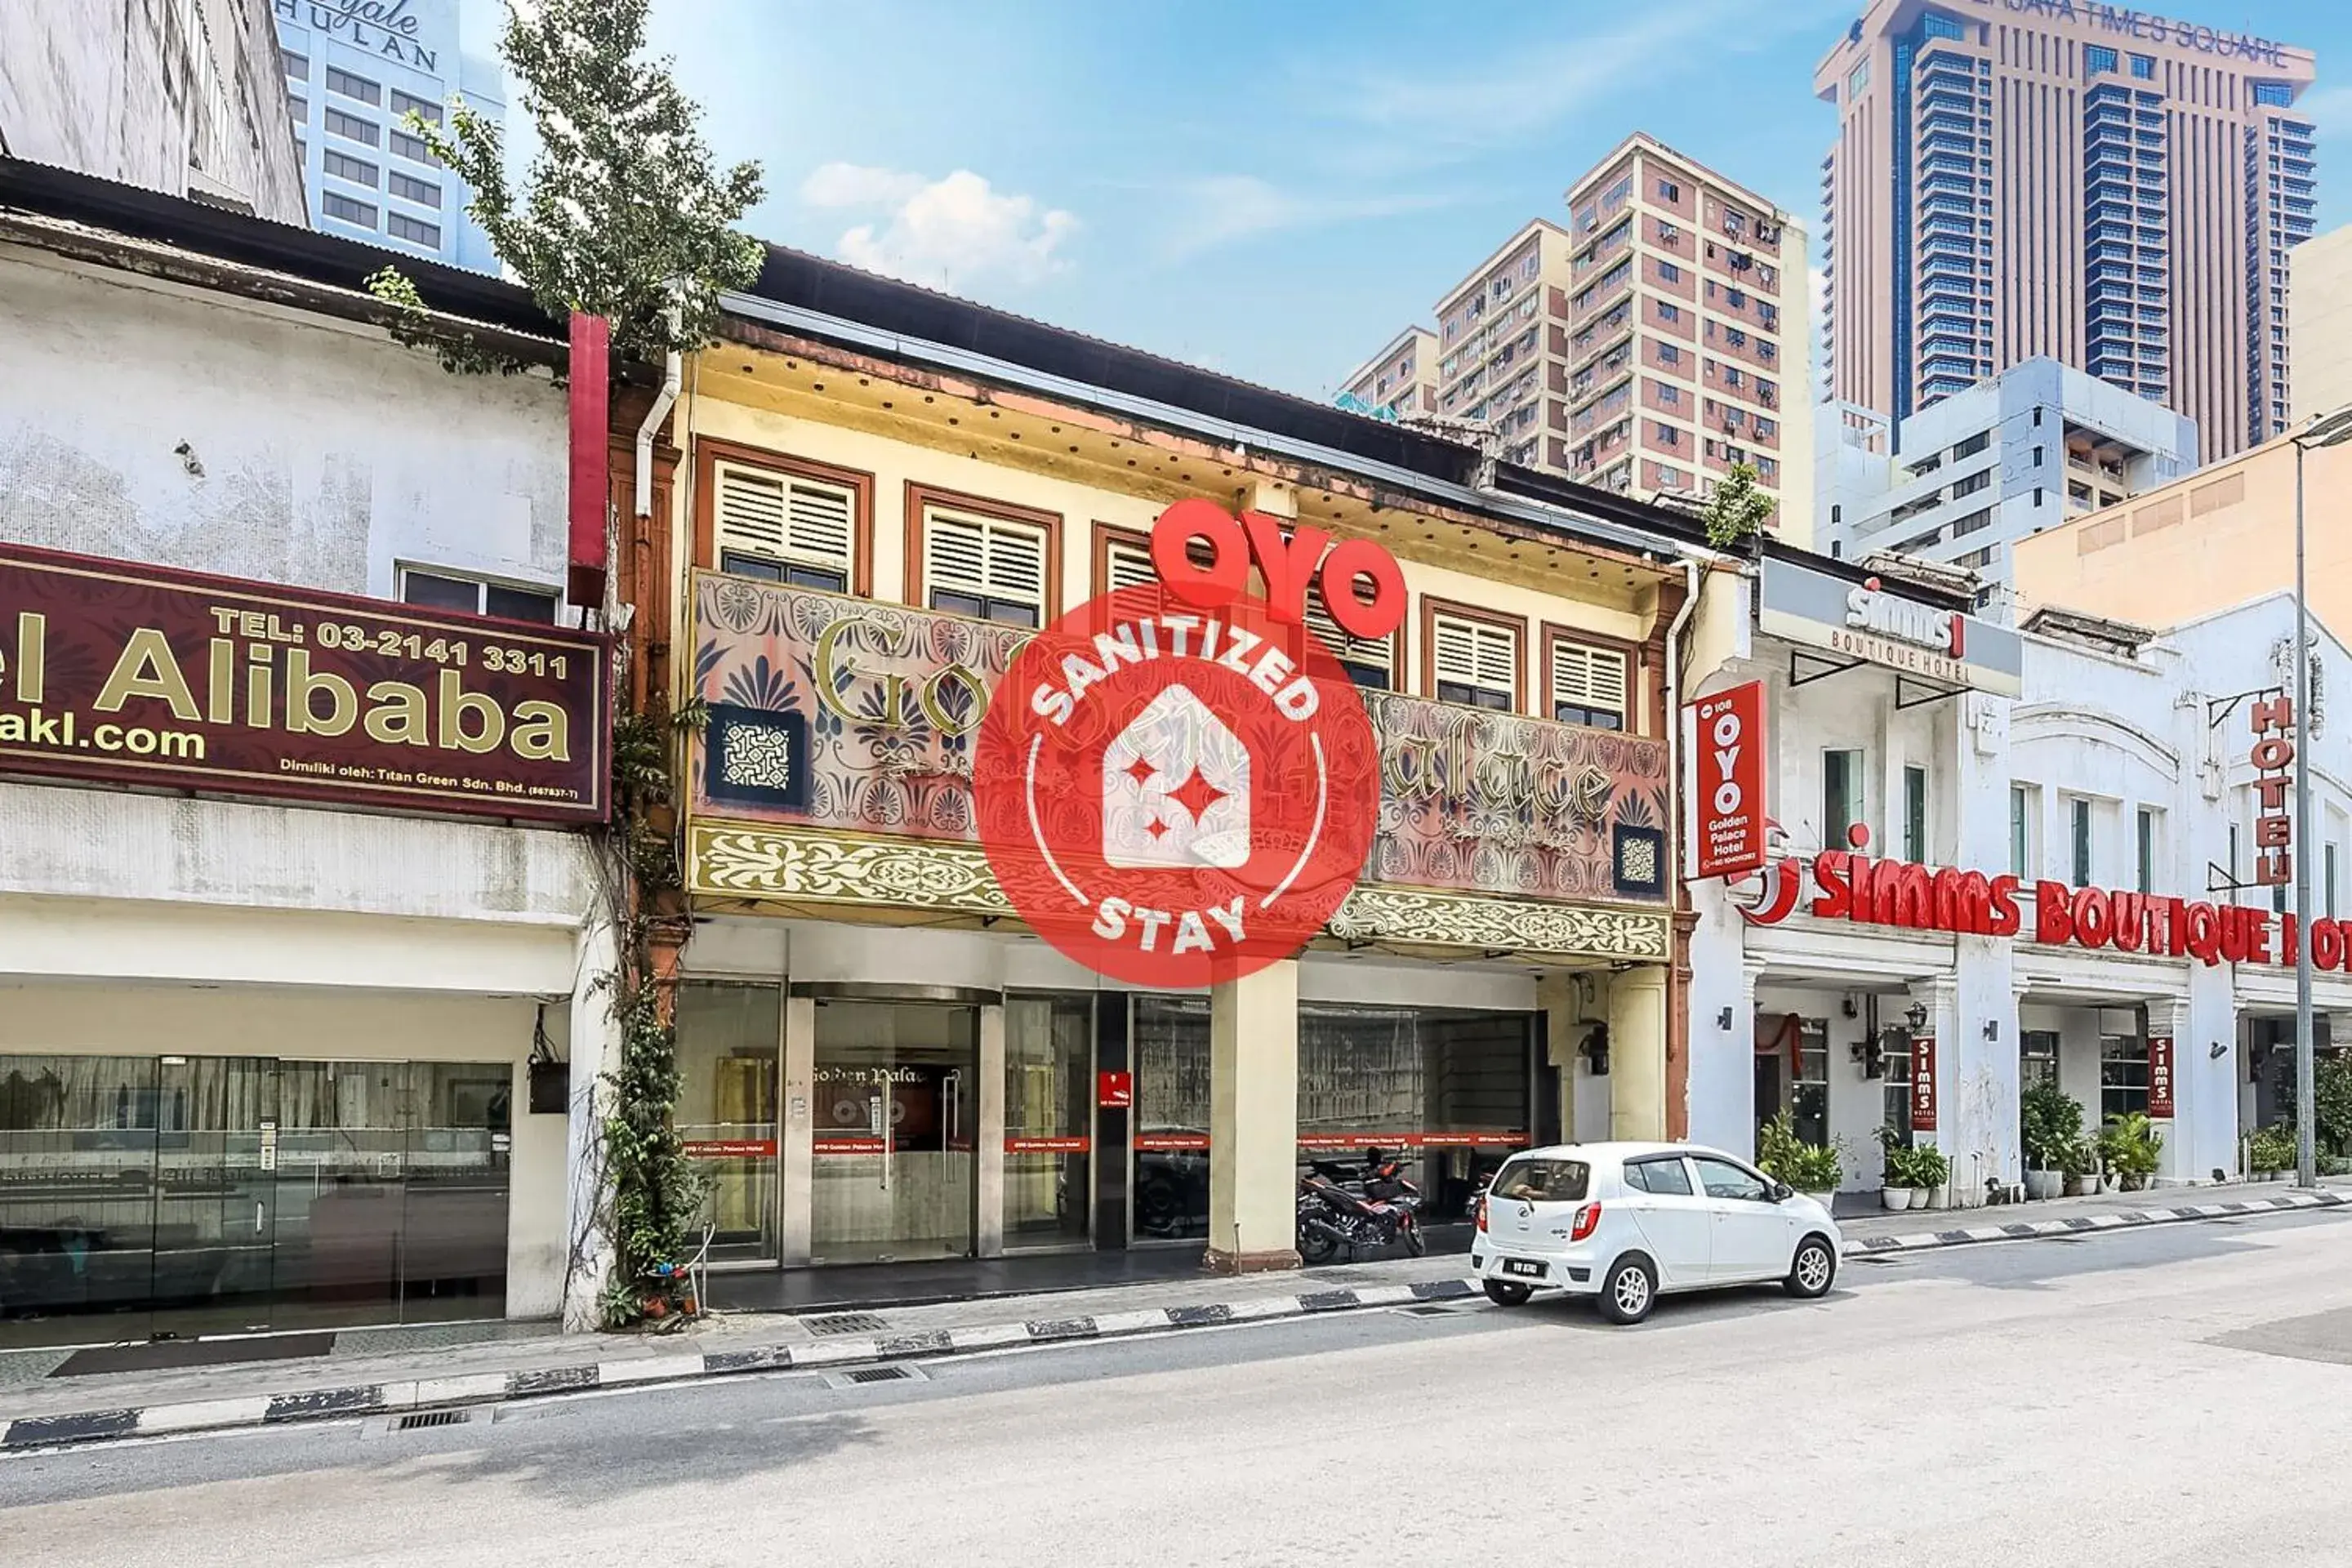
x: 2177, y: 1397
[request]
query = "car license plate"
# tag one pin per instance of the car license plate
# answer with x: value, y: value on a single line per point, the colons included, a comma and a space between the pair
x: 1523, y: 1266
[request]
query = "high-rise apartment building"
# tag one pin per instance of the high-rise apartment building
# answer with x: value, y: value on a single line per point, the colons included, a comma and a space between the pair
x: 353, y: 73
x: 1684, y: 340
x: 1400, y: 382
x: 1500, y: 359
x: 1647, y: 345
x: 2109, y: 187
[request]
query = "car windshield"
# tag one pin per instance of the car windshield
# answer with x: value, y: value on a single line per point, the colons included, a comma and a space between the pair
x: 1544, y: 1181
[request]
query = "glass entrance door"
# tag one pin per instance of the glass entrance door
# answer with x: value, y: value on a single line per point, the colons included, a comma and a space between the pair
x: 215, y: 1243
x: 1049, y: 1120
x: 897, y: 1114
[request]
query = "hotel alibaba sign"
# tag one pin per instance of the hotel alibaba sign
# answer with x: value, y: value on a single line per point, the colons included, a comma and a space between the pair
x: 119, y: 673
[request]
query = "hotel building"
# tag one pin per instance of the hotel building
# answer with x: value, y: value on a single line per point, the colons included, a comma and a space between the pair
x: 350, y: 85
x: 2111, y: 188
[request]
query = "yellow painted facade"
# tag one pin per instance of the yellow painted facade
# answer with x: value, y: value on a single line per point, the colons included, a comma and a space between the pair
x: 1025, y: 459
x: 2219, y: 537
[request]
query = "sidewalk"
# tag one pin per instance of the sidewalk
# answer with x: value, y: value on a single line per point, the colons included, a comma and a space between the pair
x: 396, y: 1370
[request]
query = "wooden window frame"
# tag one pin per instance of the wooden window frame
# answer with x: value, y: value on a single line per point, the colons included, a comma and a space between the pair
x: 1639, y: 719
x: 1431, y: 608
x: 709, y: 452
x: 921, y: 496
x: 1106, y: 534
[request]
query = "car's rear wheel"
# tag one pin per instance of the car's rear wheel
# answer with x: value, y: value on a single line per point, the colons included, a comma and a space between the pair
x: 1503, y: 1293
x: 1629, y: 1291
x: 1812, y: 1271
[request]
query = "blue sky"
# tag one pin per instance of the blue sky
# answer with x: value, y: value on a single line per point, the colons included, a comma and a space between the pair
x: 1271, y: 189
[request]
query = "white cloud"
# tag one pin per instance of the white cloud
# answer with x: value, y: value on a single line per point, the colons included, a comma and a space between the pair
x: 955, y: 233
x: 1223, y: 208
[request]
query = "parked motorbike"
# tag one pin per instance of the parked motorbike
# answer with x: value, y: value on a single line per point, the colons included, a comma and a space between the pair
x: 1368, y: 1208
x: 1478, y: 1197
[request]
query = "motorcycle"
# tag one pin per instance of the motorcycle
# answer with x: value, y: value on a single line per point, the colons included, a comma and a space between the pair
x: 1372, y: 1208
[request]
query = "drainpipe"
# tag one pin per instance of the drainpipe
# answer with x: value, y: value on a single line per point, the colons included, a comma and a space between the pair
x: 655, y: 415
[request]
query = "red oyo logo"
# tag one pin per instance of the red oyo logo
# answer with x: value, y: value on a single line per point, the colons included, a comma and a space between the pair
x: 1178, y: 785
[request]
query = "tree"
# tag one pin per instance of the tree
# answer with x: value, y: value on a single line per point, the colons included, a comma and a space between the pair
x: 622, y: 214
x: 1736, y: 508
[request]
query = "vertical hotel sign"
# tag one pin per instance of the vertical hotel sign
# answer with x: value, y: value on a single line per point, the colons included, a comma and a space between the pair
x: 1923, y: 1083
x: 121, y: 673
x: 1728, y: 804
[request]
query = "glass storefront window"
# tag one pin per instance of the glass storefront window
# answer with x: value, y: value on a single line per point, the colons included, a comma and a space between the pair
x: 728, y: 1040
x: 1453, y: 1086
x: 206, y: 1195
x: 2123, y: 1075
x: 1049, y: 1054
x: 1171, y: 1118
x: 1808, y: 1108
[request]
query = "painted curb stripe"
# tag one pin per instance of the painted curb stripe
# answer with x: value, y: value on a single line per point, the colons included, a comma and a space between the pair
x: 253, y: 1410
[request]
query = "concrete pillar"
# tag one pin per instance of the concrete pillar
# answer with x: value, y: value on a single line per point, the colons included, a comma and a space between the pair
x: 1559, y: 994
x: 595, y: 1052
x: 1637, y: 1053
x: 1941, y: 997
x: 988, y: 1168
x: 1739, y: 1074
x: 1254, y: 1121
x: 796, y: 1153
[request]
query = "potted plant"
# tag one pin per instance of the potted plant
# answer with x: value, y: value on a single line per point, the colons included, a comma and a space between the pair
x: 1929, y: 1170
x: 2080, y: 1167
x: 2050, y: 1124
x: 2131, y: 1144
x: 2271, y: 1153
x: 1813, y: 1169
x: 1895, y: 1191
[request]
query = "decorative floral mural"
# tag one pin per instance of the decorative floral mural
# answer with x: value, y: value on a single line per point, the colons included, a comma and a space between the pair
x: 839, y: 713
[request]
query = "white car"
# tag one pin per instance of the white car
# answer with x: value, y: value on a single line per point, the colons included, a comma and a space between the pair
x: 1622, y: 1222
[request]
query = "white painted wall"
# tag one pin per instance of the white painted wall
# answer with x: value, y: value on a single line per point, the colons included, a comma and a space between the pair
x: 156, y: 422
x: 322, y: 453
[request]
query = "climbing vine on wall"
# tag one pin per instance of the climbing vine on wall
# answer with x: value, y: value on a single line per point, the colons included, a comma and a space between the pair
x: 654, y: 1191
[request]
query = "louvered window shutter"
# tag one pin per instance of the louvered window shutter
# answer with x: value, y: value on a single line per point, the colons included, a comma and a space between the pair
x: 1373, y: 653
x: 1481, y: 657
x: 983, y: 559
x: 1588, y: 684
x: 1127, y: 565
x: 785, y: 518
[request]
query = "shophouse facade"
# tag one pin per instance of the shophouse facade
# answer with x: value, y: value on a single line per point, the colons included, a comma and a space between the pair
x: 868, y: 496
x: 2098, y: 779
x: 293, y: 891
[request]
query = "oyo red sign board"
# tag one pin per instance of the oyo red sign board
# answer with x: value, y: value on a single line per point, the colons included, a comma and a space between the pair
x: 1115, y: 1091
x: 1727, y: 758
x: 1177, y: 785
x: 2159, y: 1077
x: 1923, y: 1083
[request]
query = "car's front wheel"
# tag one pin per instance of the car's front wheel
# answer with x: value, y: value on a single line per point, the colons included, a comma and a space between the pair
x: 1503, y: 1293
x: 1812, y: 1271
x: 1629, y: 1291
